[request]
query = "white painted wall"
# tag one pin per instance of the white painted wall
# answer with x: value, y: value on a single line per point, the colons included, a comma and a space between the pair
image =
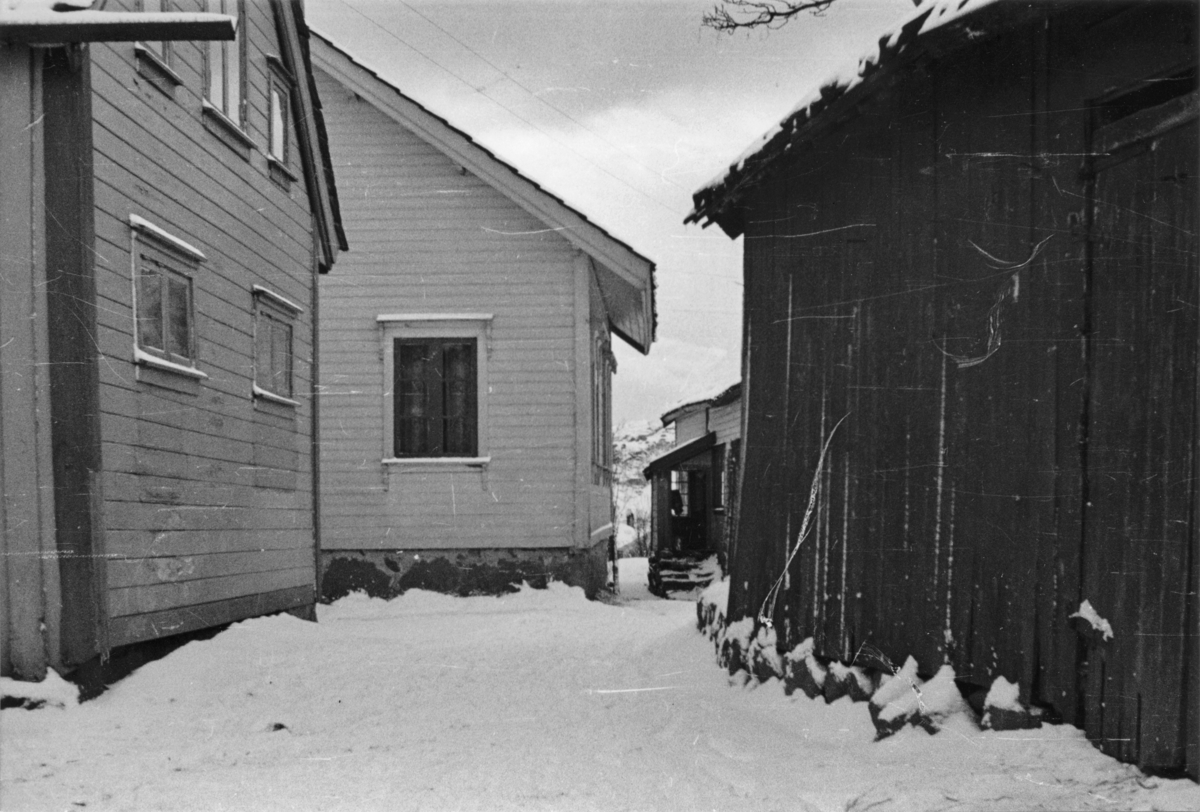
x: 427, y: 238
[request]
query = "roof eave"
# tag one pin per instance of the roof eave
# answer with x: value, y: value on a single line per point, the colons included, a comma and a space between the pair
x: 680, y: 453
x: 314, y: 142
x: 62, y: 27
x: 722, y: 203
x: 620, y: 259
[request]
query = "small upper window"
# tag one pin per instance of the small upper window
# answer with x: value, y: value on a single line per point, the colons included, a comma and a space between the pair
x: 224, y: 85
x: 279, y: 100
x: 279, y: 123
x: 279, y: 116
x: 162, y: 50
x: 154, y: 58
x: 274, y: 322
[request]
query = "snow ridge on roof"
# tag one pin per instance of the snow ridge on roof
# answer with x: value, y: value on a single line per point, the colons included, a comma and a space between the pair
x: 717, y: 396
x: 928, y: 16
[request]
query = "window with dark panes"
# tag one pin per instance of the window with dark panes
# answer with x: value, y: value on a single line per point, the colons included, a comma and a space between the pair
x: 435, y: 397
x: 224, y: 83
x: 273, y: 360
x: 681, y: 503
x: 164, y: 306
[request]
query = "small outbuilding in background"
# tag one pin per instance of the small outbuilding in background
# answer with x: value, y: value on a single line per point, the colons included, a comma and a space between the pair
x: 693, y: 490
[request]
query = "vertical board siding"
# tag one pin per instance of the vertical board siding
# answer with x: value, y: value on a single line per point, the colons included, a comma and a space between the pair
x: 428, y: 238
x: 1019, y: 384
x: 26, y: 510
x: 208, y: 495
x: 1141, y: 464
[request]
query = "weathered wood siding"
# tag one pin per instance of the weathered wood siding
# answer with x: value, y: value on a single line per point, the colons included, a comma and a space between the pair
x: 207, y: 496
x: 691, y: 426
x: 27, y: 541
x: 1019, y: 423
x: 427, y: 238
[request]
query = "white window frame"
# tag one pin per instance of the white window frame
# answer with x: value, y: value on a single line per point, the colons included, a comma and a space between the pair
x: 188, y: 257
x: 278, y: 307
x: 229, y: 51
x: 158, y: 50
x: 435, y: 325
x: 279, y: 84
x: 603, y: 367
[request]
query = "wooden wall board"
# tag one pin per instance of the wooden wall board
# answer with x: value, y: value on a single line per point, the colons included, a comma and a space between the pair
x: 964, y: 500
x: 136, y: 628
x: 502, y: 263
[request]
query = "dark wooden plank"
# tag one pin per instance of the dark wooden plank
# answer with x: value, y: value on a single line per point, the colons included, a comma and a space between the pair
x: 136, y: 628
x: 1140, y: 460
x: 135, y: 543
x: 1001, y: 496
x: 147, y: 599
x: 153, y: 570
x: 74, y: 383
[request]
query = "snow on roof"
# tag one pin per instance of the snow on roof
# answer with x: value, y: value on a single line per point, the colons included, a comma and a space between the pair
x: 928, y: 16
x: 713, y: 397
x: 58, y: 21
x: 42, y: 6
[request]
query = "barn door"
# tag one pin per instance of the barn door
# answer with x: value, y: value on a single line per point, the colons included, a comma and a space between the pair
x: 1140, y: 424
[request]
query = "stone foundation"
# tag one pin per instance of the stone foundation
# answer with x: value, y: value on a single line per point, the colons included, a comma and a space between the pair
x: 388, y: 573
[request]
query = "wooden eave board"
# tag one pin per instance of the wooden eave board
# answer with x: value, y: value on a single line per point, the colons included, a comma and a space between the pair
x: 621, y: 262
x: 680, y: 454
x: 680, y: 412
x: 53, y: 27
x: 318, y: 167
x: 630, y: 308
x: 720, y: 203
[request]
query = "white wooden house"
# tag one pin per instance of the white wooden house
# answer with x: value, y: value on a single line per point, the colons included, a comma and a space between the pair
x: 466, y: 355
x: 166, y: 208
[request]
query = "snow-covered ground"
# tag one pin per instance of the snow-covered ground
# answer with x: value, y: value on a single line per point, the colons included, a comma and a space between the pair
x: 538, y: 700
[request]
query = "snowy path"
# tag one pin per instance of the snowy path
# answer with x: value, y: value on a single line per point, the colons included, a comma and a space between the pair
x: 539, y: 700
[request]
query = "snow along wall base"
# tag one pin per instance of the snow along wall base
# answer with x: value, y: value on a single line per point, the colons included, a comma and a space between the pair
x: 386, y: 574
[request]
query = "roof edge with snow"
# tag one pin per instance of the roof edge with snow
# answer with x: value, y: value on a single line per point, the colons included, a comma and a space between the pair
x: 934, y: 28
x: 46, y: 26
x: 719, y: 397
x: 626, y: 277
x: 678, y: 454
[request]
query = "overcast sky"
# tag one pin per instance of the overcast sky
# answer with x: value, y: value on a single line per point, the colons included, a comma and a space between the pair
x: 622, y: 109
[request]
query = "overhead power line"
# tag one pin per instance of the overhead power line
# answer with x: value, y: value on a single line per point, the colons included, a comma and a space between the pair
x: 538, y: 98
x: 509, y: 110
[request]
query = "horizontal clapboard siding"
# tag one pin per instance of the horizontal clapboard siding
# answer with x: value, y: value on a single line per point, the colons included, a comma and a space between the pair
x: 208, y: 494
x: 426, y: 238
x: 691, y: 426
x: 726, y: 421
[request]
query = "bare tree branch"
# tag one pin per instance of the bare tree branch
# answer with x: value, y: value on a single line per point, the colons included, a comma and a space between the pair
x: 732, y: 15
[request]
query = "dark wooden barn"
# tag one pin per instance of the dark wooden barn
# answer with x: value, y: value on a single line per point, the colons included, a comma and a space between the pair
x: 980, y: 251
